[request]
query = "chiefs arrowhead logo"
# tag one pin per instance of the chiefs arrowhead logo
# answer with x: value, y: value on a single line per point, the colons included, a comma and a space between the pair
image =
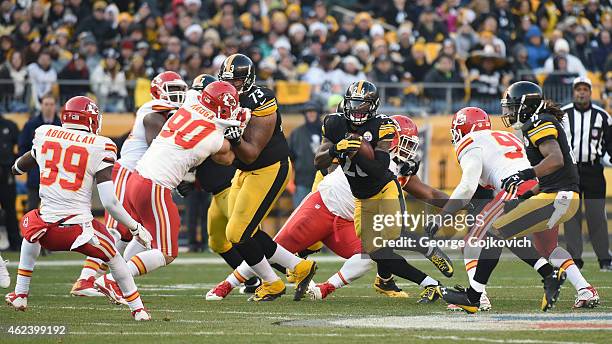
x: 26, y: 221
x: 229, y: 100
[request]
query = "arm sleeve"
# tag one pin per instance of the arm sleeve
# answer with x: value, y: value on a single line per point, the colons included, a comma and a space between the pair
x: 112, y: 205
x: 376, y: 168
x: 471, y: 166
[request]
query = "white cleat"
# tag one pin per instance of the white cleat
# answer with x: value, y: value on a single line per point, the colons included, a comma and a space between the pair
x: 111, y: 289
x: 587, y: 298
x: 485, y: 303
x: 17, y: 301
x: 141, y: 314
x: 5, y: 278
x: 85, y: 287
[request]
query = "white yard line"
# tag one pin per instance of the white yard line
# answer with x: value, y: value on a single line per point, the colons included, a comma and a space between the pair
x: 490, y: 340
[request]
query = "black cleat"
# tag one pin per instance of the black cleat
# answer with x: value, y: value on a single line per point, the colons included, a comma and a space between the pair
x: 552, y: 288
x: 459, y: 298
x: 429, y: 295
x: 442, y: 262
x: 250, y: 285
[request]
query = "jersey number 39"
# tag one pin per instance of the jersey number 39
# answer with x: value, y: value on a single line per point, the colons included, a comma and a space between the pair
x: 74, y: 162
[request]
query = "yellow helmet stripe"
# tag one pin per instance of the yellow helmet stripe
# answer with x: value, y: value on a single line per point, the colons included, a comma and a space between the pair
x: 228, y: 62
x: 359, y: 86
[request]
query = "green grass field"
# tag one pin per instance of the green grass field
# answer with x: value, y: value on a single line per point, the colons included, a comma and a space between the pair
x: 174, y: 295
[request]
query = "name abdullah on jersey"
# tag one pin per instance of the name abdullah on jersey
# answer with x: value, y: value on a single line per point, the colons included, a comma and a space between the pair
x: 538, y: 129
x: 376, y: 129
x: 262, y: 102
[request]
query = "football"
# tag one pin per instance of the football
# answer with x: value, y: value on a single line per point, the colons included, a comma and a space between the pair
x: 365, y: 149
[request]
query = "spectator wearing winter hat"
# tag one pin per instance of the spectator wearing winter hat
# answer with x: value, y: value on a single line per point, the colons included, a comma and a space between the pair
x: 443, y: 73
x: 395, y: 12
x: 536, y: 49
x: 351, y: 71
x: 361, y: 50
x: 415, y: 65
x: 297, y: 38
x: 13, y: 93
x: 581, y: 47
x: 75, y: 71
x: 97, y: 24
x: 384, y: 71
x: 574, y: 65
x: 108, y: 83
x: 429, y: 28
x: 318, y: 32
x: 193, y: 34
x: 42, y: 77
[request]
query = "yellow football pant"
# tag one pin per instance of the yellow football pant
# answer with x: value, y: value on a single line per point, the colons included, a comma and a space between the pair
x: 251, y: 197
x: 218, y: 215
x: 533, y: 215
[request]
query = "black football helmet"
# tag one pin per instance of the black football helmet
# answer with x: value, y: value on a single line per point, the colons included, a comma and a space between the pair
x: 202, y: 81
x: 521, y: 100
x: 238, y: 70
x: 360, y: 102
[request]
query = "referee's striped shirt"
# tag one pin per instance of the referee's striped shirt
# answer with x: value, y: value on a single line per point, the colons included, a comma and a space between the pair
x: 588, y: 132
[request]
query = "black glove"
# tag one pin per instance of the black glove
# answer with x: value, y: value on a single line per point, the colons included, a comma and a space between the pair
x: 233, y: 134
x: 431, y: 228
x: 185, y: 188
x: 409, y: 168
x: 512, y: 182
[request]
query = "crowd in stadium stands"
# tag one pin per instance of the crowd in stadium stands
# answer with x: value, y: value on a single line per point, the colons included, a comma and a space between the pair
x: 482, y: 44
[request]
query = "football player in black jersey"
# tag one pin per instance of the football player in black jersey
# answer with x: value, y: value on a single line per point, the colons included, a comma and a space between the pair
x: 217, y: 179
x: 262, y: 159
x: 374, y: 186
x: 555, y: 199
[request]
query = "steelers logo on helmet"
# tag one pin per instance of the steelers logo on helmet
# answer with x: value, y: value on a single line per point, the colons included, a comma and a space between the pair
x: 520, y: 101
x: 238, y: 70
x: 361, y: 102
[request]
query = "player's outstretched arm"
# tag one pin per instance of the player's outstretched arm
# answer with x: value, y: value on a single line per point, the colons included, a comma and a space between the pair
x: 23, y: 164
x: 225, y: 156
x: 323, y: 159
x: 255, y: 138
x: 553, y: 158
x: 153, y: 124
x: 425, y: 193
x: 471, y: 166
x: 109, y: 200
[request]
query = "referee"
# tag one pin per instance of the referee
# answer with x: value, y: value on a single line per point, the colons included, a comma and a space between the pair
x: 589, y: 132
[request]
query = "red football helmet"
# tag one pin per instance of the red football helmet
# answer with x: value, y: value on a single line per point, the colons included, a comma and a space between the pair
x: 406, y: 141
x: 467, y: 120
x: 221, y: 98
x: 81, y: 113
x: 169, y: 86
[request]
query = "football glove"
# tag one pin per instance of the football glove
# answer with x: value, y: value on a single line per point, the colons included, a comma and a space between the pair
x: 143, y: 235
x: 348, y: 145
x: 409, y: 168
x: 185, y: 188
x: 233, y: 134
x: 511, y: 183
x: 431, y: 228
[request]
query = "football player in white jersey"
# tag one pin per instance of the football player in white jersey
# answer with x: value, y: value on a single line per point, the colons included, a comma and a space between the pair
x: 168, y: 93
x: 71, y: 159
x: 195, y: 132
x: 326, y: 215
x: 487, y: 157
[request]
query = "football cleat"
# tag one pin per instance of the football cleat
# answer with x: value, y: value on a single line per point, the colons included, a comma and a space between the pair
x: 458, y: 298
x: 587, y: 298
x: 441, y: 261
x: 111, y: 289
x: 485, y: 303
x: 17, y: 301
x: 85, y: 287
x: 250, y: 286
x: 219, y: 292
x: 290, y: 276
x: 605, y: 267
x: 269, y: 291
x: 141, y: 314
x: 5, y: 278
x: 429, y: 294
x: 321, y: 290
x: 388, y: 288
x: 303, y: 272
x: 552, y: 288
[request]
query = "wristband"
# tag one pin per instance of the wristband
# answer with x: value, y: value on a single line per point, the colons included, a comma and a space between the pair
x: 528, y: 174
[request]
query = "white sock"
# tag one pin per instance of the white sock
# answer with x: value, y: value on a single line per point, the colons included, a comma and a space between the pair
x: 121, y: 246
x: 428, y: 281
x: 145, y: 262
x: 540, y: 263
x: 560, y: 258
x: 27, y: 260
x: 121, y: 274
x: 264, y: 271
x: 91, y: 266
x: 470, y: 268
x: 352, y: 269
x: 285, y: 258
x: 133, y: 248
x: 242, y: 273
x: 479, y: 287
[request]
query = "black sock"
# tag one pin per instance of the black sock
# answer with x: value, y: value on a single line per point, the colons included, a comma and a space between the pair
x: 546, y: 270
x: 232, y: 257
x: 266, y: 243
x: 304, y: 254
x: 252, y: 281
x: 473, y: 295
x: 528, y: 254
x: 383, y: 270
x: 487, y: 261
x: 397, y: 265
x: 250, y: 251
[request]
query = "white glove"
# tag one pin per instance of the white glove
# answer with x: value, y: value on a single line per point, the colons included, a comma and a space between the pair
x: 143, y: 234
x: 233, y: 134
x: 225, y: 123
